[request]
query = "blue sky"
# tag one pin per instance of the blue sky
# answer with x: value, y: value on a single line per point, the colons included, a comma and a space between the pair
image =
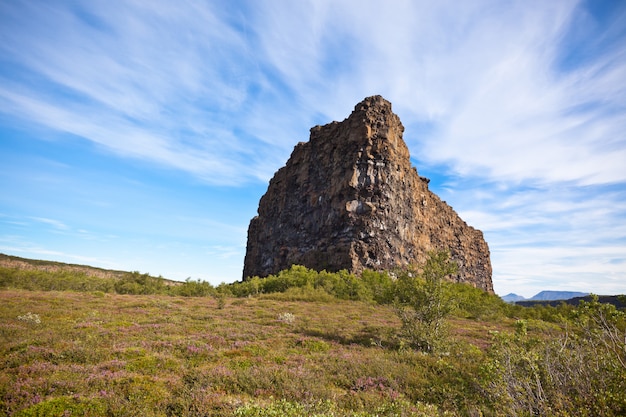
x: 140, y: 135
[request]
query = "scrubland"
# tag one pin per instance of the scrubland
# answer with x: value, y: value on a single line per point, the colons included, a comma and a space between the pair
x: 298, y: 344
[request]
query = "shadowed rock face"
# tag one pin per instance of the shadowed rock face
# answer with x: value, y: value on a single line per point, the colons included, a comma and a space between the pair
x: 349, y: 199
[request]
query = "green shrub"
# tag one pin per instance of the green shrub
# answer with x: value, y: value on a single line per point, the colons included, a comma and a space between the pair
x: 380, y: 285
x: 137, y: 283
x: 371, y: 286
x: 423, y: 303
x: 342, y: 284
x: 193, y: 288
x: 308, y: 294
x: 475, y: 303
x: 351, y: 287
x: 578, y: 371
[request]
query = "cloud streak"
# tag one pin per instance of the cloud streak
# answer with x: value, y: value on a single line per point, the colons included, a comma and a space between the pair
x: 521, y: 106
x: 486, y: 77
x: 124, y: 79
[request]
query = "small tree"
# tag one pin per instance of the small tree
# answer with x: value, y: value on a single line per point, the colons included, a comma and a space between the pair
x: 422, y: 303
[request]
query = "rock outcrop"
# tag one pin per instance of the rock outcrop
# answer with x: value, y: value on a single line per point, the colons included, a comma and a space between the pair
x: 350, y: 199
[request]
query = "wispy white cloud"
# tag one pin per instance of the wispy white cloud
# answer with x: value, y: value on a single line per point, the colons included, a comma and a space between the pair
x: 226, y: 252
x: 31, y: 250
x: 51, y: 222
x: 564, y: 237
x: 160, y: 83
x: 527, y: 270
x: 168, y: 84
x: 486, y: 75
x: 525, y: 101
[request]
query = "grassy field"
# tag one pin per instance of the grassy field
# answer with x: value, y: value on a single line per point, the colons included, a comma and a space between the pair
x: 298, y: 344
x: 108, y: 354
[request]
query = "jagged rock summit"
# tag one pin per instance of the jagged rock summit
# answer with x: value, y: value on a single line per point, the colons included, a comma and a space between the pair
x: 349, y: 199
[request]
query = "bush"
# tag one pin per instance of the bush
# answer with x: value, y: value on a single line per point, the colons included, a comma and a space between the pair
x: 578, y: 371
x: 342, y: 285
x: 423, y: 303
x: 137, y: 283
x: 191, y: 288
x: 350, y: 287
x: 475, y: 303
x: 307, y: 294
x: 380, y: 285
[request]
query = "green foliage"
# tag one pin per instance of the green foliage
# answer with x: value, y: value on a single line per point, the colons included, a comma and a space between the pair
x: 56, y: 280
x: 380, y: 286
x: 341, y: 285
x: 578, y: 371
x: 132, y: 283
x: 64, y: 406
x: 541, y: 312
x: 308, y: 294
x: 166, y: 350
x: 109, y: 354
x: 138, y: 283
x: 475, y: 303
x: 193, y: 288
x: 423, y: 302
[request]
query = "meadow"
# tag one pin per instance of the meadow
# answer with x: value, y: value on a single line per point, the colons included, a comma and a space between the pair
x: 335, y: 349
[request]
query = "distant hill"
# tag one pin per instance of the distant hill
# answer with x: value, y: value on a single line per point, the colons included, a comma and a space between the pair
x: 555, y: 298
x: 545, y: 296
x: 512, y: 298
x: 15, y: 262
x: 618, y: 301
x: 557, y: 295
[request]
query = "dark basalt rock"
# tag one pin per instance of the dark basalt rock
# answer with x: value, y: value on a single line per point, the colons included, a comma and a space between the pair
x: 349, y: 199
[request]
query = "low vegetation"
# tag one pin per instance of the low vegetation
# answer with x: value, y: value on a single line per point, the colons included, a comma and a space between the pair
x: 300, y: 343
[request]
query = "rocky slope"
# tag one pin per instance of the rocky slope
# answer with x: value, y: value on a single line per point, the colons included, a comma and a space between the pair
x: 350, y: 199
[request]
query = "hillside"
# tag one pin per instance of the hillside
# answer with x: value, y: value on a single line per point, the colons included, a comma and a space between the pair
x: 56, y: 268
x: 7, y: 261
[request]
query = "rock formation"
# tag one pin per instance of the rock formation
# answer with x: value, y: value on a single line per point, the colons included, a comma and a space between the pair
x: 349, y: 199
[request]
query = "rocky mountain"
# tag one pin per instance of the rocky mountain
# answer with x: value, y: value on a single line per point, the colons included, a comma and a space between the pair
x: 350, y: 199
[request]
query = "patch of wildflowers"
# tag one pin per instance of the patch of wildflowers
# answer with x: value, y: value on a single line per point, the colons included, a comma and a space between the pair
x: 30, y: 318
x: 286, y: 318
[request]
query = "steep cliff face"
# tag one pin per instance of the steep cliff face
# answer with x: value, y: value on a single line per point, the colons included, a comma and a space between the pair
x: 349, y: 199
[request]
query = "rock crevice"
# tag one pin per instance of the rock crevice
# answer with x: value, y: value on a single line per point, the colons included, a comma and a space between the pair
x: 350, y: 199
